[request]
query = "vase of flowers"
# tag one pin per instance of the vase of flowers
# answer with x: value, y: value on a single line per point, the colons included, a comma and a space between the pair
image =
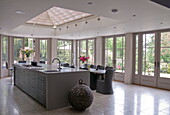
x: 84, y: 59
x: 27, y: 53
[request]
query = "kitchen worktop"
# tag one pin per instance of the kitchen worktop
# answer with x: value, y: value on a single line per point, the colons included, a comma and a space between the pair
x: 49, y: 69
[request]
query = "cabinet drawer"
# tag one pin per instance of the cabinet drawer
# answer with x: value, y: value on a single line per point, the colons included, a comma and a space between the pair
x: 42, y: 97
x: 42, y: 78
x: 33, y: 91
x: 42, y: 86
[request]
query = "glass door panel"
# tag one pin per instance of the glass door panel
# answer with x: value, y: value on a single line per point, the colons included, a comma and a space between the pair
x: 29, y: 44
x: 43, y: 50
x: 4, y: 51
x: 148, y: 54
x: 136, y: 54
x: 18, y: 45
x: 165, y: 55
x: 109, y: 52
x: 91, y: 51
x: 64, y: 51
x: 120, y: 54
x: 83, y: 48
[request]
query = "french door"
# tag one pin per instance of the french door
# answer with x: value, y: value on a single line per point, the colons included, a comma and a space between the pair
x: 163, y: 60
x: 153, y: 59
x: 115, y: 55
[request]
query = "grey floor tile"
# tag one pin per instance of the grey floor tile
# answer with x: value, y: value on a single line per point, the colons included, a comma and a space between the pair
x: 126, y: 100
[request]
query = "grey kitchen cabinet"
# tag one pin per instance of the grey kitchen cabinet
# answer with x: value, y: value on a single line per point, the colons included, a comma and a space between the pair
x: 49, y: 88
x: 33, y: 85
x: 24, y: 80
x: 17, y: 79
x: 42, y: 89
x: 31, y: 82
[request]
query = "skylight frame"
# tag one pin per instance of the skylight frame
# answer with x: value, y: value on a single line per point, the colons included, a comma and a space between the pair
x: 55, y: 16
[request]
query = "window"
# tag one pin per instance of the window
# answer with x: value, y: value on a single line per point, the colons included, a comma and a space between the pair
x: 4, y: 47
x: 43, y: 50
x: 64, y: 51
x: 109, y: 52
x: 120, y: 53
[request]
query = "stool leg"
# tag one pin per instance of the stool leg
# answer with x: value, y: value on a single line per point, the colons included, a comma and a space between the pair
x: 11, y: 76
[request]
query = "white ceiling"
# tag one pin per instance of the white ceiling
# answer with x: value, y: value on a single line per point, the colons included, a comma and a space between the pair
x: 149, y: 15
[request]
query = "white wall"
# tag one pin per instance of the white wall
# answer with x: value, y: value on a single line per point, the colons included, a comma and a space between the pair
x: 128, y: 58
x: 99, y: 50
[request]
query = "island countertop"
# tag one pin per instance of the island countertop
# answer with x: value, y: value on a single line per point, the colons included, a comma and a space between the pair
x: 49, y: 69
x: 48, y: 88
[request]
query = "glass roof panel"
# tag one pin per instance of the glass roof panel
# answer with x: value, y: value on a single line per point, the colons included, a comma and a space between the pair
x: 57, y: 16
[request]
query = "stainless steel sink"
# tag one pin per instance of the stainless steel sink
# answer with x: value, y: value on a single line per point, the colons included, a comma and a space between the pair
x: 51, y: 71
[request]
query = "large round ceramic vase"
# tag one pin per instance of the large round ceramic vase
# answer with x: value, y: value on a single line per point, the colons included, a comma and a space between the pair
x: 80, y: 96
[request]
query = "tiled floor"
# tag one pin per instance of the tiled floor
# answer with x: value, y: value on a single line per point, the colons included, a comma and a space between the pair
x: 126, y: 100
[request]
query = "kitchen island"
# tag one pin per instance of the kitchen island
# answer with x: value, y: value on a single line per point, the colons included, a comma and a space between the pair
x: 48, y: 85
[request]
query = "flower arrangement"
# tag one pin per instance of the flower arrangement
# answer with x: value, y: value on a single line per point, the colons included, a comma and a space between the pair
x: 27, y: 52
x: 83, y: 58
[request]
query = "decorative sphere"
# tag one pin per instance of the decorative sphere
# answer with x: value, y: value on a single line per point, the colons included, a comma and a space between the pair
x: 80, y: 97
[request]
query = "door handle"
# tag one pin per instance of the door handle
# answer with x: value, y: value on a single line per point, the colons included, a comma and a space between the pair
x: 155, y: 64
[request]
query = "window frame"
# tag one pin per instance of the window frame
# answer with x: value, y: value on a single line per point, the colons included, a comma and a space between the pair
x: 2, y: 36
x: 78, y: 48
x: 71, y: 54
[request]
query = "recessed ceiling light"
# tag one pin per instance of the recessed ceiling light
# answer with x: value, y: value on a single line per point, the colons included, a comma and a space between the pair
x: 134, y: 15
x: 19, y: 12
x: 90, y: 3
x: 54, y: 26
x: 75, y: 24
x: 114, y: 11
x: 161, y: 23
x: 114, y: 27
x: 32, y: 34
x: 98, y: 19
x: 86, y: 22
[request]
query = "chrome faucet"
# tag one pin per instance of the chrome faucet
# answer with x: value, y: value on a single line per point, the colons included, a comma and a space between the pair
x: 58, y: 61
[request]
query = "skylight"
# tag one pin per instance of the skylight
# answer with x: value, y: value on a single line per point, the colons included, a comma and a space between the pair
x: 57, y: 16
